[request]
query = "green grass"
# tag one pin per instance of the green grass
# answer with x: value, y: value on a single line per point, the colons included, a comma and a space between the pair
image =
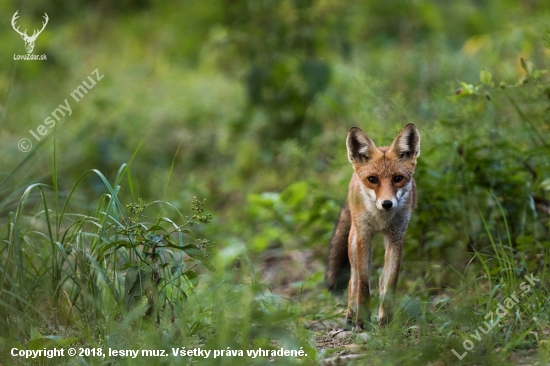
x: 64, y: 274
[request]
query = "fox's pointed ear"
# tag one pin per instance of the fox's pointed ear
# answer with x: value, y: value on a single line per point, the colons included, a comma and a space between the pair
x: 407, y: 144
x: 360, y: 146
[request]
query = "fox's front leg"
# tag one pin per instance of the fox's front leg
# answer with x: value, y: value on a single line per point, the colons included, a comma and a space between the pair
x: 360, y: 255
x: 352, y: 286
x: 390, y: 275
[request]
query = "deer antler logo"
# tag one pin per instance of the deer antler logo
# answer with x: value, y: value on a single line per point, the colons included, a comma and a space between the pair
x: 29, y: 41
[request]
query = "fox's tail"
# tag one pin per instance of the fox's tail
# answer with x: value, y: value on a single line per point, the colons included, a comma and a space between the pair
x: 338, y: 268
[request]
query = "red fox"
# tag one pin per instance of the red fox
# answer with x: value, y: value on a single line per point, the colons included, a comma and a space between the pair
x: 381, y: 197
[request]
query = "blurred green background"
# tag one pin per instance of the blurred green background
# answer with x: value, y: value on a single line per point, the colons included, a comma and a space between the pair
x: 258, y: 97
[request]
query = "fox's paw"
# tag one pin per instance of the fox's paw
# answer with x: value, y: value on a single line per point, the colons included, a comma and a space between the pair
x: 384, y: 318
x: 350, y: 319
x: 350, y: 315
x: 383, y: 321
x: 357, y: 323
x: 358, y: 327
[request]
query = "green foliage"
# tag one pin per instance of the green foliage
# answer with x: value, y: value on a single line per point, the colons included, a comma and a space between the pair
x: 301, y: 216
x: 140, y: 283
x: 87, y: 258
x: 515, y: 169
x: 273, y: 45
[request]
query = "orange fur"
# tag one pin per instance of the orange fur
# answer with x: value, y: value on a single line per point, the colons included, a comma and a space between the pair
x: 381, y: 197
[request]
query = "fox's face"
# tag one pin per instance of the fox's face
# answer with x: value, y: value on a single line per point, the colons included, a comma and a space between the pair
x: 385, y: 172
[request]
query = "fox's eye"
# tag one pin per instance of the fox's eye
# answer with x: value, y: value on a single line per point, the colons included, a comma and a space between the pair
x: 398, y: 178
x: 372, y: 179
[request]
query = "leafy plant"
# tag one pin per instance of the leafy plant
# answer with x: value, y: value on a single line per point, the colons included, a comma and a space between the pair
x: 151, y: 245
x: 300, y: 216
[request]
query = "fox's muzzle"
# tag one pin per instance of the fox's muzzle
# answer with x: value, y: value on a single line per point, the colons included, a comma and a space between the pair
x: 387, y: 204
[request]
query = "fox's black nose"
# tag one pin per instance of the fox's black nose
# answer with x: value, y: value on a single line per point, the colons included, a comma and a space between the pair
x: 387, y: 204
